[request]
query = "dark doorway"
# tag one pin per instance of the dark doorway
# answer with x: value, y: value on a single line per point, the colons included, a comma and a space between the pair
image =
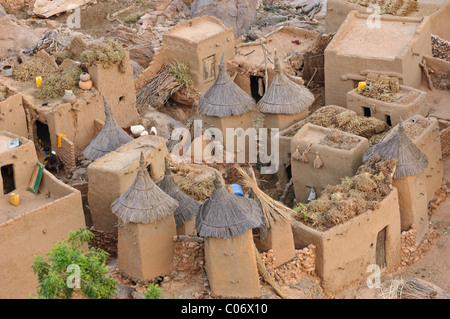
x: 43, y: 134
x: 289, y: 172
x: 257, y: 87
x: 388, y: 120
x: 367, y: 112
x: 380, y: 253
x: 7, y: 172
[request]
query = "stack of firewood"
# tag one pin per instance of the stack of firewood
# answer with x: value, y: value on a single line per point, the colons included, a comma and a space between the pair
x: 302, y: 264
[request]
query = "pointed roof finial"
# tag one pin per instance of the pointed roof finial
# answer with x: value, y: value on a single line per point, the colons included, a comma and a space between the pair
x: 277, y: 66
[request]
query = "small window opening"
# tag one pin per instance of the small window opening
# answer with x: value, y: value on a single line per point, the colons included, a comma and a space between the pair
x: 388, y: 120
x: 367, y: 112
x: 257, y: 87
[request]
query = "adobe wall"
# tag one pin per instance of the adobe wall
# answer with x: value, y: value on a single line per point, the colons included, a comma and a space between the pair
x: 23, y: 159
x: 337, y: 163
x: 139, y: 256
x: 440, y: 24
x: 413, y: 103
x: 344, y: 71
x: 285, y: 151
x: 34, y: 234
x: 412, y: 199
x: 283, y: 121
x: 281, y: 240
x: 195, y: 53
x: 12, y: 116
x: 337, y: 11
x: 221, y: 258
x: 118, y: 90
x: 429, y: 143
x: 345, y: 251
x: 75, y: 121
x: 111, y: 175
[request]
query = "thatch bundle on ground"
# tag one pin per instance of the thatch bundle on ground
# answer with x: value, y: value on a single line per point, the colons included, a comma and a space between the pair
x: 188, y: 207
x: 410, y: 159
x: 225, y: 98
x: 226, y: 215
x: 411, y: 288
x: 285, y: 96
x: 352, y: 197
x: 110, y: 138
x: 144, y: 202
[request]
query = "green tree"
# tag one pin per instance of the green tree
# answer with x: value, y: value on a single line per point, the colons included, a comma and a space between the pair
x: 58, y: 269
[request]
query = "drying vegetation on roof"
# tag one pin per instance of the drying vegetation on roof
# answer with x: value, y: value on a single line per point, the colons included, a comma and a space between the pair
x: 394, y: 7
x: 32, y: 68
x: 413, y: 127
x: 352, y: 197
x: 381, y: 87
x: 181, y: 72
x: 107, y: 54
x: 335, y: 117
x: 3, y: 93
x: 54, y: 85
x: 60, y: 56
x: 339, y: 139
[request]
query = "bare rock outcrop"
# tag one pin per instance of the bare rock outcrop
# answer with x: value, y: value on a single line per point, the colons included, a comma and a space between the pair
x: 236, y: 14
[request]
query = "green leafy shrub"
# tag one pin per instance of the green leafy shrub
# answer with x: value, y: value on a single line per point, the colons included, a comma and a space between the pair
x: 54, y: 273
x: 181, y: 72
x: 153, y: 292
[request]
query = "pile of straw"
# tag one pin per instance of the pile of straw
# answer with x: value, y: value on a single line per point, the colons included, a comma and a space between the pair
x: 381, y: 87
x: 107, y: 54
x: 411, y: 288
x: 32, y: 68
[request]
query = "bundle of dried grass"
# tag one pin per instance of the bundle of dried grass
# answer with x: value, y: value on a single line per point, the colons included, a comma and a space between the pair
x: 188, y: 208
x: 144, y: 202
x: 381, y: 87
x: 55, y: 85
x: 352, y: 197
x: 284, y: 96
x: 225, y: 98
x: 107, y: 54
x: 410, y: 159
x: 32, y: 68
x: 158, y: 90
x: 226, y: 215
x: 411, y: 288
x: 110, y: 138
x: 273, y: 211
x: 394, y: 7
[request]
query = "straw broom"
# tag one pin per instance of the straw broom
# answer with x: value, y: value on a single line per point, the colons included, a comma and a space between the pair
x: 273, y: 210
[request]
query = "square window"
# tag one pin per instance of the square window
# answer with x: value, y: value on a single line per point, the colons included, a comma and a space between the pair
x: 209, y: 68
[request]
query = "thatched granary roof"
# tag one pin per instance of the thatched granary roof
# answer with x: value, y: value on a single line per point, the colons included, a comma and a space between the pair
x: 110, y: 138
x: 410, y: 159
x: 285, y: 96
x: 226, y: 215
x: 144, y: 202
x: 225, y: 98
x: 188, y: 207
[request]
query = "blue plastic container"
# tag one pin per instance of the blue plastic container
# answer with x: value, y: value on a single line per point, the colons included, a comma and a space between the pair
x: 238, y: 190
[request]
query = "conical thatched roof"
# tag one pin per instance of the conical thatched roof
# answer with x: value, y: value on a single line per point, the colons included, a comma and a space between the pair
x: 225, y: 98
x: 410, y: 159
x: 285, y: 96
x: 226, y: 215
x: 110, y: 138
x: 144, y: 202
x: 188, y: 207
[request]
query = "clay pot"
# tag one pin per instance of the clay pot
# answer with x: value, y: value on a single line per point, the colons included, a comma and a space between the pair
x: 7, y: 70
x: 69, y: 97
x: 85, y: 85
x: 84, y: 77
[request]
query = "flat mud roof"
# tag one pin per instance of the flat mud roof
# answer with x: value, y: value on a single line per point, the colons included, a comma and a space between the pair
x: 389, y: 41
